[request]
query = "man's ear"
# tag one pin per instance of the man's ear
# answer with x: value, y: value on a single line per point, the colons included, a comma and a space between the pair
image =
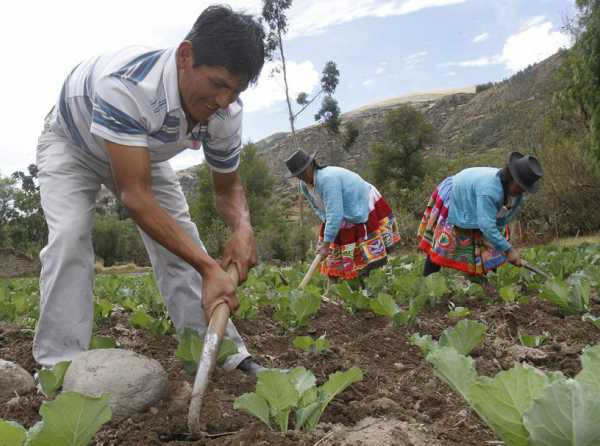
x: 185, y: 55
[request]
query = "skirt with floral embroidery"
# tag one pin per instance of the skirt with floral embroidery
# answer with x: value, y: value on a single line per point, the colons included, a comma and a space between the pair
x: 453, y: 247
x: 358, y: 248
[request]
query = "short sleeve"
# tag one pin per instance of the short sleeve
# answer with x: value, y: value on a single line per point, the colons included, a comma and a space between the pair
x: 117, y: 114
x: 223, y: 143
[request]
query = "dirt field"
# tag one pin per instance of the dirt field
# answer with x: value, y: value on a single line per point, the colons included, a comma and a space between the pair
x: 399, y: 402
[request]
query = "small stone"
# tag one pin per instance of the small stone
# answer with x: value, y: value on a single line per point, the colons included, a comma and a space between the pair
x: 520, y: 352
x: 153, y: 410
x: 400, y: 366
x: 381, y: 405
x: 14, y: 380
x: 14, y: 402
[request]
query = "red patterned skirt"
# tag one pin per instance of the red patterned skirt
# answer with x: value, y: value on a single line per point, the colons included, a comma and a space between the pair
x: 448, y: 245
x: 358, y: 248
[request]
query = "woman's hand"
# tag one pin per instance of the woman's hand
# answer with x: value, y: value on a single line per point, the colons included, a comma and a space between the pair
x: 513, y: 257
x: 323, y: 249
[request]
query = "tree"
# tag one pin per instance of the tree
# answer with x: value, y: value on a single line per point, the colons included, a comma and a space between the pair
x: 258, y: 183
x: 28, y: 225
x: 330, y: 111
x: 7, y: 211
x: 580, y: 71
x: 397, y: 162
x: 274, y: 15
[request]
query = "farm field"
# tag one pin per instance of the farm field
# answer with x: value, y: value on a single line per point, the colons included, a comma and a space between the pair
x: 410, y: 392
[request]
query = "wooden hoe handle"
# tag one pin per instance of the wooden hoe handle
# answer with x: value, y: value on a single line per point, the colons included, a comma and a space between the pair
x: 212, y: 343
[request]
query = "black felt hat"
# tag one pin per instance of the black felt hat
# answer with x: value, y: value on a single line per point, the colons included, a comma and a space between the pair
x: 526, y: 171
x: 298, y: 162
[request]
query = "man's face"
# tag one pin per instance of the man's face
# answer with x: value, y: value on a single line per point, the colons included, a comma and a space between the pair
x: 204, y: 89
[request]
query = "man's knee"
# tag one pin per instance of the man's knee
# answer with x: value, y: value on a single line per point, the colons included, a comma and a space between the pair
x: 71, y: 237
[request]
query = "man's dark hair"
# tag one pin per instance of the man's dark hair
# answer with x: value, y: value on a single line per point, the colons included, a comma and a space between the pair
x: 222, y: 37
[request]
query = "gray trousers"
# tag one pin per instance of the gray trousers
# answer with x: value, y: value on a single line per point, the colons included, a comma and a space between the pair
x: 70, y: 179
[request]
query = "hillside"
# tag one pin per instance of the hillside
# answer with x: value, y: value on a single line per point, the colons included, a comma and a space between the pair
x: 499, y: 117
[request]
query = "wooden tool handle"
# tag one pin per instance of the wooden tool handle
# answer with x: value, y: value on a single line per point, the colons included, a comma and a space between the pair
x: 313, y: 267
x: 208, y: 360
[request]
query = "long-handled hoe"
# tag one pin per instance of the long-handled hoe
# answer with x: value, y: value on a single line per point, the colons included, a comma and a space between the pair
x: 212, y: 344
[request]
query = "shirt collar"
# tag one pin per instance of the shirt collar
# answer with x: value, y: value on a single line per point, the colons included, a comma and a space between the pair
x: 170, y: 82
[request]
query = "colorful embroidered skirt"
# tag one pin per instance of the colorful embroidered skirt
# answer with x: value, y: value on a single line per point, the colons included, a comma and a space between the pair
x: 450, y: 246
x: 358, y: 248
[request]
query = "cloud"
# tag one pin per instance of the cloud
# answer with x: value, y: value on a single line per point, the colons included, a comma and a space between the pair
x: 481, y: 38
x: 369, y: 82
x: 534, y: 21
x: 411, y: 61
x: 381, y: 68
x: 302, y: 77
x: 532, y: 44
x: 313, y: 16
x: 450, y: 73
x: 480, y: 62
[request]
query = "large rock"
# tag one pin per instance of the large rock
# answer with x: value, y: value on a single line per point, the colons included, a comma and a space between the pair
x: 133, y: 381
x: 14, y: 379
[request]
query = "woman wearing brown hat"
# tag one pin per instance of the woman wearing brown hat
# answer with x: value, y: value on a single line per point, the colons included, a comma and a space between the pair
x: 465, y: 225
x: 358, y: 226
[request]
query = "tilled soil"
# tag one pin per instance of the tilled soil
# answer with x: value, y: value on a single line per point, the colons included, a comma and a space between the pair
x: 399, y: 401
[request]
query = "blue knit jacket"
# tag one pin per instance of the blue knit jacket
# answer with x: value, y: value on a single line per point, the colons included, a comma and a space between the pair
x: 475, y: 201
x: 345, y: 197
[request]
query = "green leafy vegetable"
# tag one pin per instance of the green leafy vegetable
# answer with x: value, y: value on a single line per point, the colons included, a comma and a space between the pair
x: 254, y: 405
x: 425, y: 343
x: 190, y: 347
x: 384, y: 305
x: 590, y: 367
x: 532, y: 341
x: 464, y: 337
x: 72, y: 419
x: 508, y: 293
x: 51, y: 380
x: 102, y: 342
x: 11, y: 433
x: 501, y: 401
x: 459, y: 312
x: 589, y: 317
x: 278, y: 394
x: 311, y: 345
x: 565, y: 414
x: 456, y: 370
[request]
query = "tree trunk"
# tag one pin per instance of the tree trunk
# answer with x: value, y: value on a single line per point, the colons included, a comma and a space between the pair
x: 285, y: 83
x: 291, y: 114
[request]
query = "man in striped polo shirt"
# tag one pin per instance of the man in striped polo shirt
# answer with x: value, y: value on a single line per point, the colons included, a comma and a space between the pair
x: 118, y: 119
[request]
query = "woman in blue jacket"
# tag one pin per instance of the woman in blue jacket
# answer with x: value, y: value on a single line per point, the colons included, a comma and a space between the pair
x: 358, y: 226
x: 465, y: 225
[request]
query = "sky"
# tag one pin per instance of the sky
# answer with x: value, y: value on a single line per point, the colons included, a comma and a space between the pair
x: 382, y: 48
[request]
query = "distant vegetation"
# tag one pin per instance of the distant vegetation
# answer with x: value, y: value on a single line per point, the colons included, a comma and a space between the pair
x: 563, y: 133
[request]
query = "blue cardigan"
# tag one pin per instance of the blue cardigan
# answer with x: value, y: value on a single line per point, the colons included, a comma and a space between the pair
x: 345, y: 197
x: 475, y: 201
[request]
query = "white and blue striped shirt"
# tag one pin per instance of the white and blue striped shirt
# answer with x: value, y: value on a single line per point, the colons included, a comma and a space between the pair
x: 131, y: 97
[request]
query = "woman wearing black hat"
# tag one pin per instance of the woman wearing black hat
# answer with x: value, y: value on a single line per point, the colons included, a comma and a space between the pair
x: 465, y: 225
x: 358, y: 226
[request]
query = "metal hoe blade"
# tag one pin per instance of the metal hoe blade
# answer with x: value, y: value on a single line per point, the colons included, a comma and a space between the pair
x: 536, y: 270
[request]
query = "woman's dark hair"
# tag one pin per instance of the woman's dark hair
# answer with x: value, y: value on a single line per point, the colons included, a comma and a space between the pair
x: 505, y: 178
x: 222, y: 37
x: 318, y: 166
